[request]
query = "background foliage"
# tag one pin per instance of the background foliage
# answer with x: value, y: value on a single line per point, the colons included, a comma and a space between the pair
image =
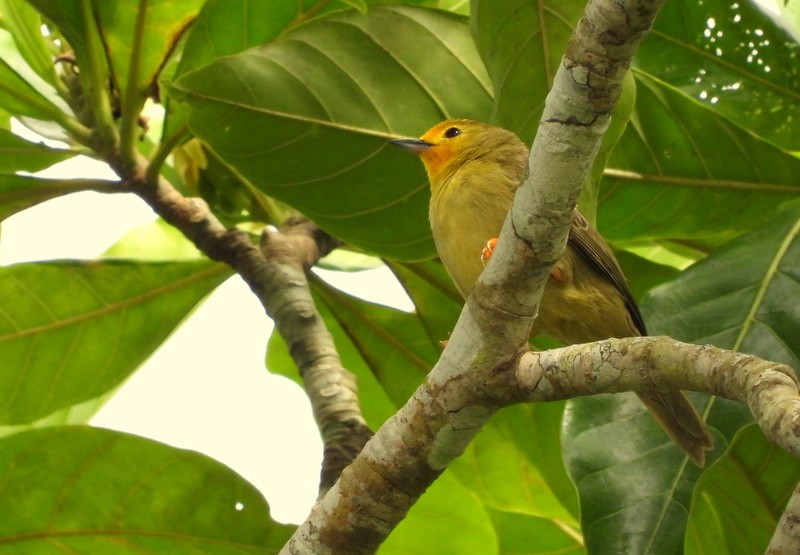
x: 294, y: 105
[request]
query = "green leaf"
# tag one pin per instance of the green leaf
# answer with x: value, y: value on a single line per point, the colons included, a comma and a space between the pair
x: 521, y: 44
x: 394, y: 344
x: 67, y: 16
x: 447, y: 519
x: 635, y: 487
x: 344, y: 260
x: 19, y: 192
x: 139, y: 37
x: 642, y: 273
x: 76, y: 330
x: 223, y: 28
x: 737, y: 58
x: 682, y: 172
x: 437, y: 302
x: 25, y: 26
x: 86, y: 490
x: 76, y: 414
x: 514, y: 464
x: 154, y: 241
x: 741, y: 498
x: 742, y: 297
x: 528, y: 535
x: 19, y: 97
x: 18, y: 154
x: 226, y: 27
x: 318, y: 104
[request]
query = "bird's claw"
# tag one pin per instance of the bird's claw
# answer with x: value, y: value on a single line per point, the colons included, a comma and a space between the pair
x: 487, y: 251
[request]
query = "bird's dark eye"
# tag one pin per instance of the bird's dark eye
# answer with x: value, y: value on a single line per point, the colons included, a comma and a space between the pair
x: 452, y: 132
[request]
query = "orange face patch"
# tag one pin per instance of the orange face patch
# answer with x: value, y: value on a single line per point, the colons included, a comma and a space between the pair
x: 442, y: 151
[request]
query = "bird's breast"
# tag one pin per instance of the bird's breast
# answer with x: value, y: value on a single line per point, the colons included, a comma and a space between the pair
x: 464, y: 216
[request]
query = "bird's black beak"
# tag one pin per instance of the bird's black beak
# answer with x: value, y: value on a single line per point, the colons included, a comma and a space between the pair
x: 415, y: 146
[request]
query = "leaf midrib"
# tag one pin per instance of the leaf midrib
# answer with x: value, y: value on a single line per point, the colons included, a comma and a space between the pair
x: 115, y: 307
x: 765, y: 283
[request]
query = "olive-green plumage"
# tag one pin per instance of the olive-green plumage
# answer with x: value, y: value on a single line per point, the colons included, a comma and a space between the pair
x: 474, y: 170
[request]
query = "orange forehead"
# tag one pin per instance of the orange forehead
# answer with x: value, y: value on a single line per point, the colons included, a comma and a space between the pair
x: 434, y: 134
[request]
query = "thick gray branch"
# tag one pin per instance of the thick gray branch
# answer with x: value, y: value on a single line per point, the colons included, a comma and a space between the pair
x: 769, y: 389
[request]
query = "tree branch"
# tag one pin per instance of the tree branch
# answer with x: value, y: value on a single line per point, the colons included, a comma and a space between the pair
x: 771, y: 390
x: 333, y: 392
x: 276, y: 274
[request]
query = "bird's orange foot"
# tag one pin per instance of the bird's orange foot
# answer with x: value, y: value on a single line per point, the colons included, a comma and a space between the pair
x: 486, y: 254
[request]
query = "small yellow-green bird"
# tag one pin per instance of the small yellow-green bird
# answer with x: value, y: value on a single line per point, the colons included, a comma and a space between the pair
x: 474, y: 170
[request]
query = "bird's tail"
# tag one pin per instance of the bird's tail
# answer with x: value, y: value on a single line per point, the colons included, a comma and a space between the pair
x: 680, y: 420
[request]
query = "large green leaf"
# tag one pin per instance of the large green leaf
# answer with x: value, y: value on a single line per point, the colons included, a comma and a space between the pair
x: 306, y: 117
x: 736, y: 57
x: 437, y: 302
x: 223, y: 28
x: 521, y: 44
x: 740, y: 499
x: 226, y: 27
x: 643, y: 274
x: 75, y: 414
x: 70, y: 331
x: 68, y: 16
x: 93, y: 491
x: 635, y: 487
x: 681, y: 171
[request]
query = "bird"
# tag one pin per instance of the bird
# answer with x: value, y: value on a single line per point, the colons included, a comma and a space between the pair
x: 474, y: 170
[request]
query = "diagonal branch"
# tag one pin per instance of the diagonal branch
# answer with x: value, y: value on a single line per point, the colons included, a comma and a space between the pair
x: 276, y: 274
x: 296, y: 247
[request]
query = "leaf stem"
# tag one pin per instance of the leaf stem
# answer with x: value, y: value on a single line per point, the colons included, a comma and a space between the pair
x: 162, y: 151
x: 95, y: 80
x: 133, y: 99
